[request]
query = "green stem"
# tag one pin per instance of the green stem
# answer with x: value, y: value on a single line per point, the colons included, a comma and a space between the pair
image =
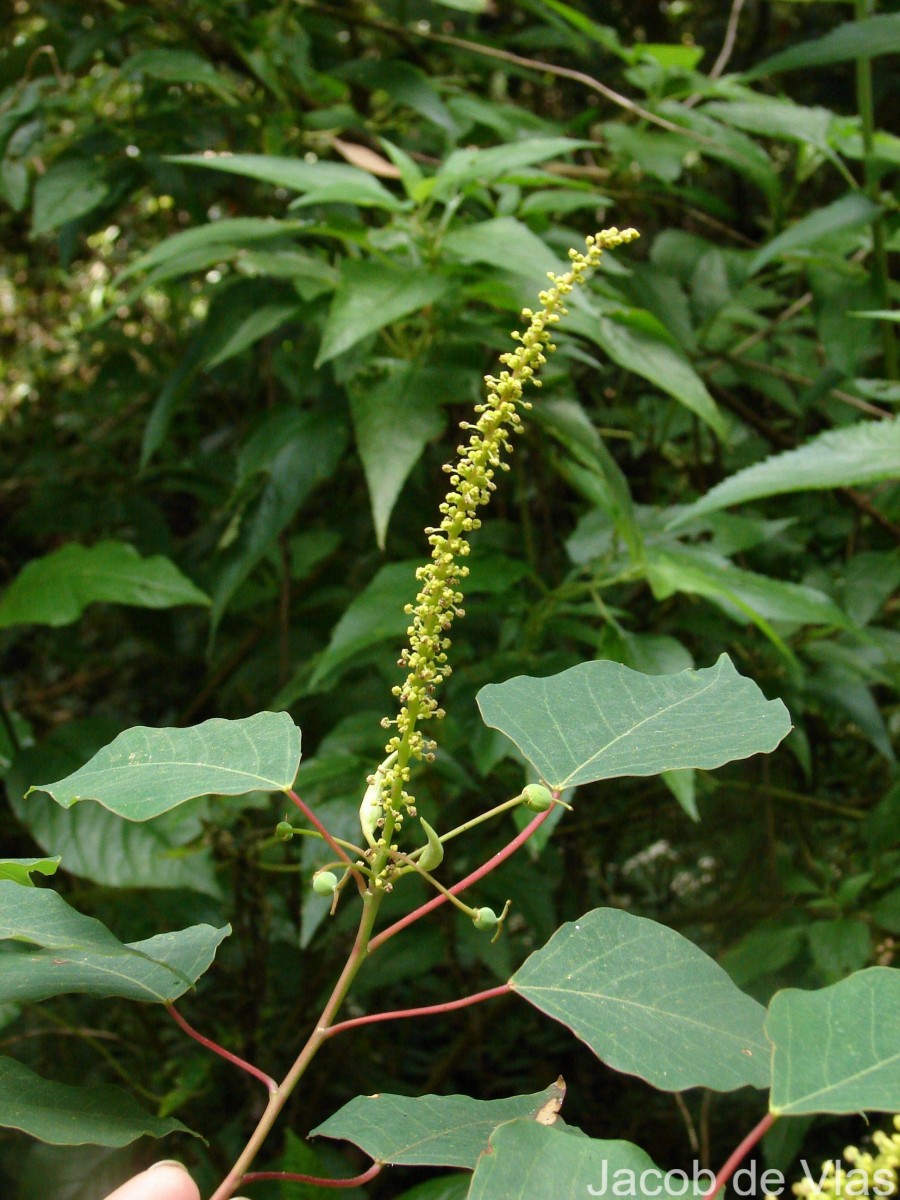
x: 485, y: 816
x: 282, y: 1093
x: 880, y: 269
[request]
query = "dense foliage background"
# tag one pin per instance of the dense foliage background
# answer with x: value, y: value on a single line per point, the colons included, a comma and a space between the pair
x: 254, y: 367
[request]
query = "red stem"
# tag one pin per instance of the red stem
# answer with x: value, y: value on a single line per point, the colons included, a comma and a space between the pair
x: 427, y: 1011
x: 480, y: 873
x: 737, y: 1156
x: 314, y: 820
x: 176, y: 1016
x: 356, y: 1181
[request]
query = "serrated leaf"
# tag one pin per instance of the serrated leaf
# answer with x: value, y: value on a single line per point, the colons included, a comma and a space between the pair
x: 74, y: 1116
x: 468, y: 166
x: 850, y: 212
x: 20, y: 870
x: 440, y: 1131
x: 527, y: 1160
x: 858, y: 454
x: 698, y: 572
x: 322, y: 181
x: 837, y: 1050
x: 637, y: 341
x: 866, y: 38
x: 601, y: 720
x: 144, y: 772
x: 503, y: 242
x: 56, y: 589
x: 69, y: 190
x: 370, y: 296
x: 76, y: 953
x: 648, y: 1002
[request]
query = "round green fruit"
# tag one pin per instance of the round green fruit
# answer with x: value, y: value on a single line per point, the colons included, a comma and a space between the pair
x: 485, y: 918
x: 324, y: 883
x: 537, y: 797
x: 284, y: 831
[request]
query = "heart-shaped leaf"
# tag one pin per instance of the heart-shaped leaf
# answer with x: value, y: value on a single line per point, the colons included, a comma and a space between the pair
x: 648, y: 1002
x: 429, y: 1131
x: 601, y: 720
x: 144, y: 772
x: 837, y: 1050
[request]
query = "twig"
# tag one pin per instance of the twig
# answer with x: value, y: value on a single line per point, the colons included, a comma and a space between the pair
x: 271, y: 1085
x: 425, y: 1011
x: 735, y: 1159
x: 804, y: 381
x: 291, y: 1177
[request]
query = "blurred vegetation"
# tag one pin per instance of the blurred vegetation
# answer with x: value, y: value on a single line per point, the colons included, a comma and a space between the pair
x: 254, y: 366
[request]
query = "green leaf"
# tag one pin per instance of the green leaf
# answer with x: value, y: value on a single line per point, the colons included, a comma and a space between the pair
x: 470, y: 166
x: 601, y: 720
x: 742, y: 594
x: 648, y: 1002
x: 323, y: 182
x: 293, y: 452
x: 94, y: 843
x: 837, y: 1050
x: 19, y: 870
x: 531, y: 1160
x: 256, y: 325
x: 56, y: 589
x: 370, y: 296
x: 442, y: 1187
x: 858, y: 454
x: 74, y: 1116
x: 866, y: 38
x: 771, y: 118
x: 506, y: 243
x: 849, y: 212
x: 637, y: 341
x: 144, y: 772
x: 374, y: 615
x: 840, y: 946
x: 440, y: 1131
x: 180, y: 66
x: 393, y: 421
x: 78, y: 954
x: 69, y: 190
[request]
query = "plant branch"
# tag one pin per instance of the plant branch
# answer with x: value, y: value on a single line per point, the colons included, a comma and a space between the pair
x: 314, y: 820
x: 179, y: 1020
x: 425, y: 1011
x: 737, y: 1157
x: 501, y: 856
x: 316, y: 1181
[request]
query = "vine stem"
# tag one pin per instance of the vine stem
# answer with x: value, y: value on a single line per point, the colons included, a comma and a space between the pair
x: 179, y: 1020
x: 280, y: 1096
x: 738, y: 1155
x: 427, y: 1010
x: 486, y: 868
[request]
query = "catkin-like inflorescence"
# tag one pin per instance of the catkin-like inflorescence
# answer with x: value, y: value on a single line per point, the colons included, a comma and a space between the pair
x: 471, y: 483
x: 871, y: 1173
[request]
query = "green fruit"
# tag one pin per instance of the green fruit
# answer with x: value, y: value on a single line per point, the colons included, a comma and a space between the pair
x: 537, y: 797
x: 485, y: 918
x: 284, y: 831
x: 433, y: 854
x: 324, y: 883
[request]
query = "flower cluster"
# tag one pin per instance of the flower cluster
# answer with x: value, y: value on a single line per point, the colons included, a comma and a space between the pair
x: 870, y: 1174
x: 471, y: 484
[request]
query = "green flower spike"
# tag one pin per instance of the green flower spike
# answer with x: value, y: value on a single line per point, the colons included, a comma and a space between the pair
x: 472, y: 482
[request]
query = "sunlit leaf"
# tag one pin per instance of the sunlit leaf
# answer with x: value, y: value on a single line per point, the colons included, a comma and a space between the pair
x: 56, y: 589
x: 20, y: 870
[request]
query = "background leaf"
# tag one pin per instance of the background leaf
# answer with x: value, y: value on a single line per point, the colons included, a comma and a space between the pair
x: 55, y: 589
x: 20, y: 870
x: 74, y: 1116
x: 648, y: 1002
